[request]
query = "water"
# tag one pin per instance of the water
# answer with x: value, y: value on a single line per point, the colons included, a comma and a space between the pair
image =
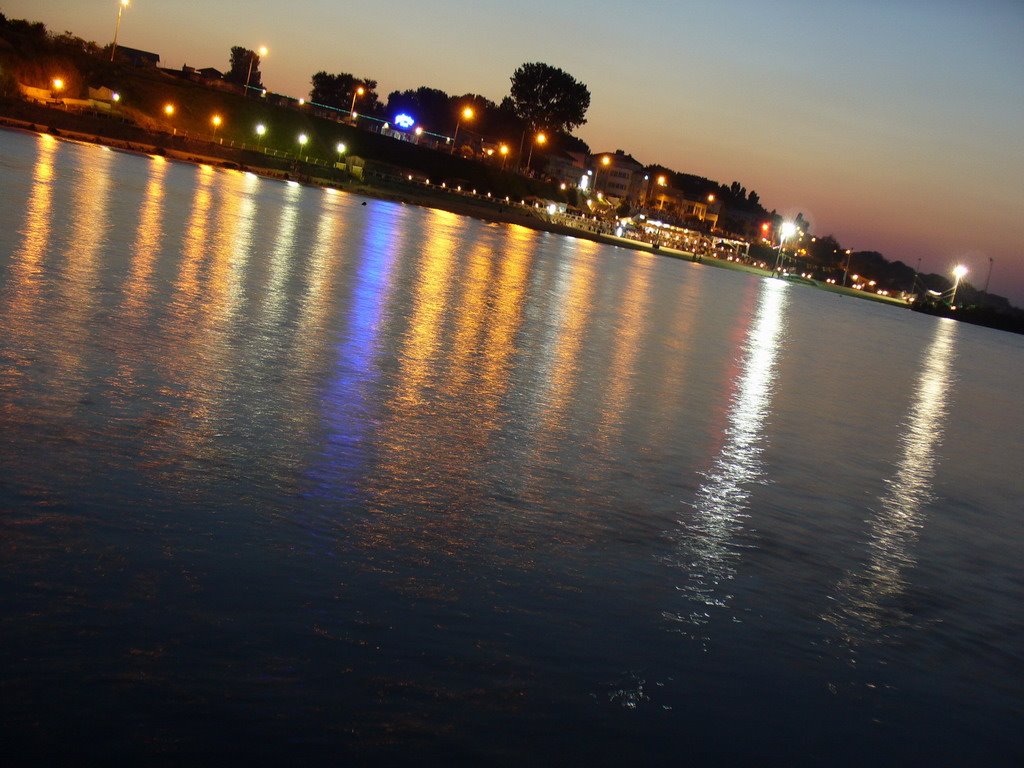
x: 286, y: 476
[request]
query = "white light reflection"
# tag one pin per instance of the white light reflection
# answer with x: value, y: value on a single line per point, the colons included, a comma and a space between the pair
x: 867, y: 599
x: 707, y: 548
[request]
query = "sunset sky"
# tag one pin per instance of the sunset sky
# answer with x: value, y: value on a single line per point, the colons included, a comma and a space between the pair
x: 896, y: 126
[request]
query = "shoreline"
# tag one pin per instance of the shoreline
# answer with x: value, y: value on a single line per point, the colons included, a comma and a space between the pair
x: 461, y: 204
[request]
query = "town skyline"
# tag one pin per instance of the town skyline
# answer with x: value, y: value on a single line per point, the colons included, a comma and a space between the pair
x: 895, y: 128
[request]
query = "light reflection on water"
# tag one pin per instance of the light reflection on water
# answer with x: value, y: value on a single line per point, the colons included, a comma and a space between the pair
x: 707, y: 546
x: 148, y: 241
x: 395, y: 477
x: 867, y: 605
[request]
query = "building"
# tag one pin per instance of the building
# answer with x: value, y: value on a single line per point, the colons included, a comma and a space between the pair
x: 567, y: 168
x: 137, y: 58
x: 617, y: 174
x: 678, y: 205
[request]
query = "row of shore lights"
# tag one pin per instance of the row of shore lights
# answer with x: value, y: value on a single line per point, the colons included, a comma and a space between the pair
x: 261, y: 130
x: 261, y: 53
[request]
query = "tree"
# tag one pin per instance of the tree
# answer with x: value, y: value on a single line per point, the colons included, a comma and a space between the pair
x: 543, y: 96
x: 337, y: 91
x: 429, y: 106
x: 239, y: 72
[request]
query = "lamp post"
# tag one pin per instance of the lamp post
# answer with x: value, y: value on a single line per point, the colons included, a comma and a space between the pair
x: 541, y: 139
x: 260, y: 130
x: 662, y: 182
x: 605, y: 161
x: 253, y: 56
x: 503, y: 149
x: 465, y: 114
x: 846, y: 270
x: 169, y: 111
x: 958, y: 272
x: 341, y: 150
x: 788, y: 230
x: 303, y: 138
x: 216, y: 120
x: 352, y: 107
x: 117, y: 27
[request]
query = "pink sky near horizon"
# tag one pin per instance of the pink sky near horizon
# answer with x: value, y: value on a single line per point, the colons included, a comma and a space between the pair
x: 895, y: 126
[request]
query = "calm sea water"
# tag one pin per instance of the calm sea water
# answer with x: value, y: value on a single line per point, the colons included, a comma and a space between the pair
x: 287, y: 474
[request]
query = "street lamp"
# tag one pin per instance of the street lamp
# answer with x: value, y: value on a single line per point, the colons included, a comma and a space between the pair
x: 849, y: 258
x: 341, y: 150
x: 216, y: 120
x: 661, y: 181
x: 788, y: 230
x: 169, y: 110
x: 958, y: 272
x: 503, y: 149
x: 117, y: 27
x: 253, y: 56
x: 466, y: 114
x: 352, y: 107
x: 303, y: 138
x: 541, y: 139
x: 260, y: 130
x: 58, y: 84
x: 605, y: 161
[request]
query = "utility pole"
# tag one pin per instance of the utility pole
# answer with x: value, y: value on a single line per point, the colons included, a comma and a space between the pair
x: 989, y: 275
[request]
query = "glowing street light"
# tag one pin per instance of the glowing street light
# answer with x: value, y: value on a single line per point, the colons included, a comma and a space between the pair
x: 958, y: 272
x: 466, y: 114
x: 254, y: 56
x: 849, y: 258
x: 352, y: 107
x: 216, y: 120
x: 541, y: 139
x: 261, y: 129
x: 504, y: 150
x: 58, y: 84
x: 341, y: 148
x: 117, y: 27
x: 605, y: 161
x: 169, y: 110
x: 788, y: 230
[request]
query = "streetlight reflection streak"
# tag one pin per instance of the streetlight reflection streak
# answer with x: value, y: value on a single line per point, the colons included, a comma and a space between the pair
x: 867, y: 598
x: 706, y: 547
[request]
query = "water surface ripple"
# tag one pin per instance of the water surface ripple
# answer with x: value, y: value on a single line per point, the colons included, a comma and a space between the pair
x: 288, y: 474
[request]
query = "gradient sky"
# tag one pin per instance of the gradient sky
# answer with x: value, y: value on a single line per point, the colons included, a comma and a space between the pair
x: 896, y: 126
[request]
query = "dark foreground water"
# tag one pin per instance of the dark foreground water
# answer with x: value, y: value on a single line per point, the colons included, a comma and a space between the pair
x: 286, y: 477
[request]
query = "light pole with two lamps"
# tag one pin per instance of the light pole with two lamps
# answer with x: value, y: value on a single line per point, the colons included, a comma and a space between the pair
x: 117, y: 27
x: 352, y: 107
x: 254, y: 56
